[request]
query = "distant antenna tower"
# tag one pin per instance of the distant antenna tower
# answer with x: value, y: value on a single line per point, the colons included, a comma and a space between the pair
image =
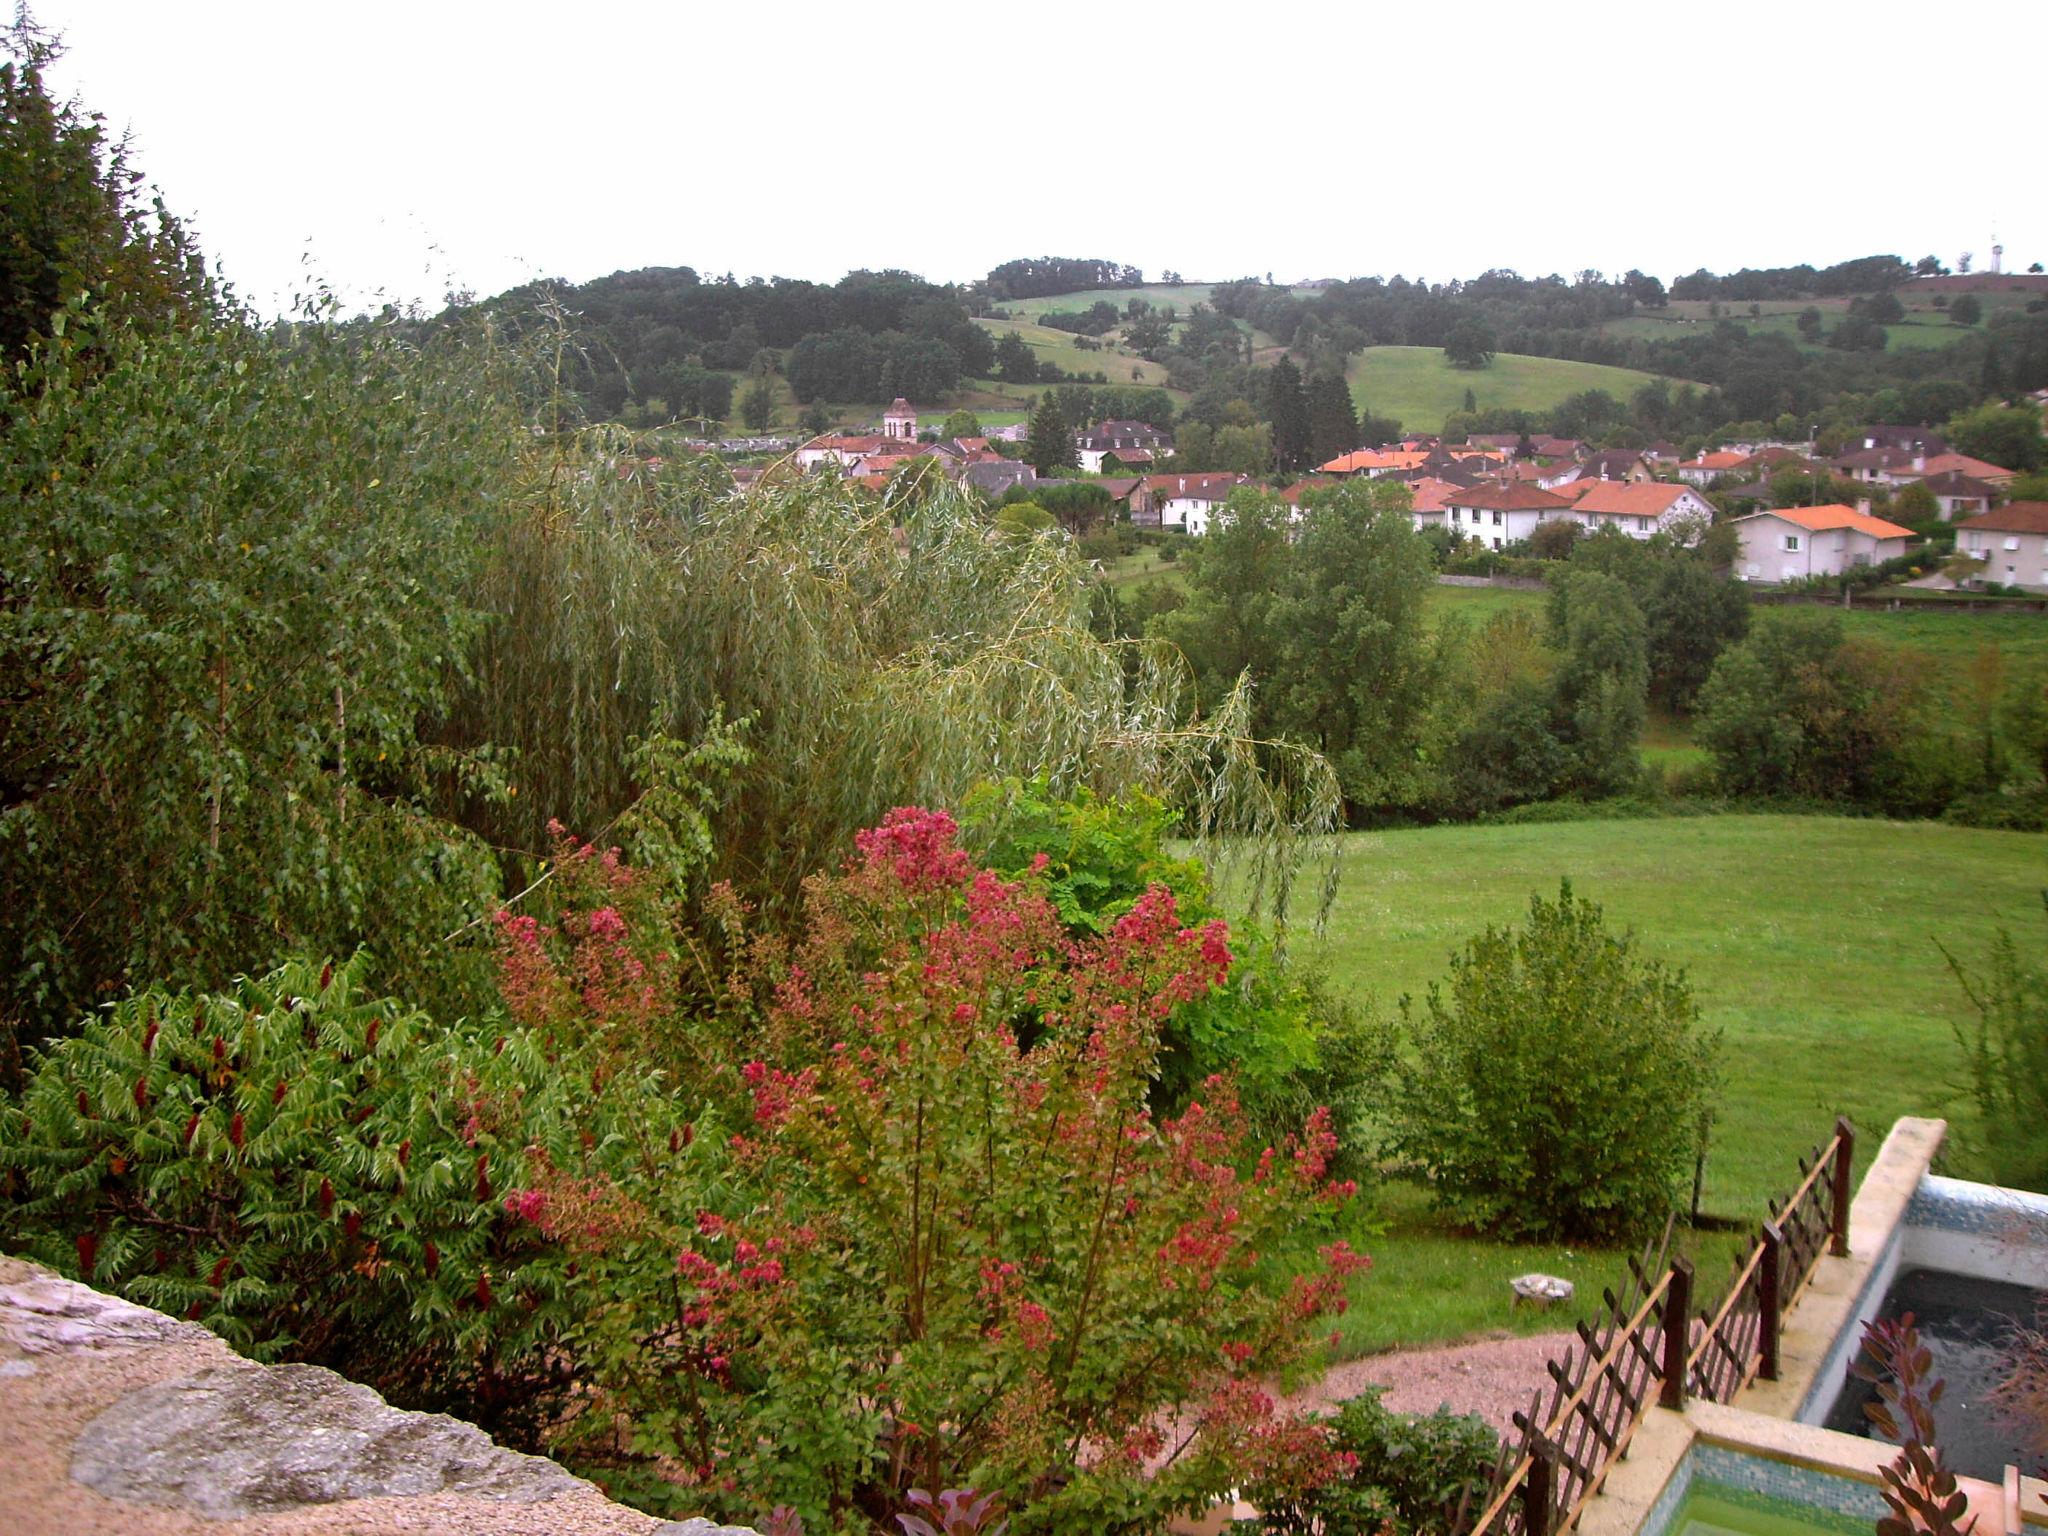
x: 1997, y: 254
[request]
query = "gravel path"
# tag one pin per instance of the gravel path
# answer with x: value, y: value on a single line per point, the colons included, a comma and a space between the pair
x: 1491, y: 1378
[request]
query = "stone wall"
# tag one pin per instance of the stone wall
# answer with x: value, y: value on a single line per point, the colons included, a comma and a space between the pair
x: 114, y: 1418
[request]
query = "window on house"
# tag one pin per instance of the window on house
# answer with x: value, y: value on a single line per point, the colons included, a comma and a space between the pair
x: 1792, y: 543
x: 2012, y: 543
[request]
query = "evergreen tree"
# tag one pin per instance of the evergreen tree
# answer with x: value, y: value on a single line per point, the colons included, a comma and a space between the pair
x: 1287, y: 409
x: 1050, y: 447
x: 1471, y: 401
x: 1332, y: 419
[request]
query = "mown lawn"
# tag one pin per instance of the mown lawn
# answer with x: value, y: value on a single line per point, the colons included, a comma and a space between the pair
x: 1812, y: 946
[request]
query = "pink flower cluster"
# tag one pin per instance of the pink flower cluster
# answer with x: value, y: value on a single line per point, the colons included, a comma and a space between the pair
x: 916, y: 846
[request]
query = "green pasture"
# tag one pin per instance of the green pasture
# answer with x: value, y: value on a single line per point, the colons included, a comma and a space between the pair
x: 1812, y: 944
x: 1419, y: 388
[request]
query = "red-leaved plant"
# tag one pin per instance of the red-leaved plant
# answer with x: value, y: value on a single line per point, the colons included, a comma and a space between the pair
x: 1919, y: 1486
x: 929, y: 1234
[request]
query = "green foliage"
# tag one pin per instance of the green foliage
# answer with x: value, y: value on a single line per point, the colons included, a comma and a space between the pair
x: 1023, y: 519
x: 1289, y: 1041
x: 239, y: 575
x: 2008, y: 436
x: 69, y: 211
x: 1967, y: 309
x: 960, y: 424
x: 1411, y: 1474
x: 317, y: 1173
x: 1800, y: 710
x: 1050, y: 446
x: 757, y: 405
x: 2006, y: 1053
x: 1602, y: 681
x: 1561, y: 1087
x: 1471, y: 343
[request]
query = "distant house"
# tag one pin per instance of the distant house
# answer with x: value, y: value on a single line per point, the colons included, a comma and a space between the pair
x: 1642, y: 509
x: 1132, y: 442
x: 1498, y: 514
x: 1616, y: 464
x: 1432, y: 498
x: 900, y: 420
x: 1376, y: 463
x: 993, y: 477
x: 2012, y: 543
x: 1875, y: 466
x: 1954, y: 464
x: 1959, y: 495
x: 1710, y: 466
x: 1182, y: 501
x: 1558, y: 448
x: 844, y: 452
x: 1663, y: 453
x: 1793, y: 543
x: 1504, y: 442
x: 1920, y: 440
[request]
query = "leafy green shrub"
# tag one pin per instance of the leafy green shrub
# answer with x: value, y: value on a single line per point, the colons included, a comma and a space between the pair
x: 319, y: 1174
x: 1290, y: 1041
x: 1409, y: 1475
x: 1563, y: 1086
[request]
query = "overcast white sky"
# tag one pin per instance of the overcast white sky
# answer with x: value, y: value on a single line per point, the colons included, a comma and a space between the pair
x: 403, y: 149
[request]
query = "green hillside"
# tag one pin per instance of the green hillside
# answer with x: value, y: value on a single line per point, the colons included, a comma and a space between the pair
x: 1058, y: 348
x: 1417, y: 387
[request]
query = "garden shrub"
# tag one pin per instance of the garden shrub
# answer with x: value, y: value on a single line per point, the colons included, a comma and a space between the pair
x: 1560, y: 1086
x: 1411, y: 1474
x: 316, y: 1173
x: 945, y: 1241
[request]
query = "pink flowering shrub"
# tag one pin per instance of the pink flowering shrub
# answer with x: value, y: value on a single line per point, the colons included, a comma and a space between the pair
x: 939, y: 1240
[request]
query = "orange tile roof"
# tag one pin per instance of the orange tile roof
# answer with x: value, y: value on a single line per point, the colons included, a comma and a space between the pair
x: 1627, y: 498
x: 1725, y: 459
x: 1835, y: 515
x: 1432, y: 495
x: 1363, y: 459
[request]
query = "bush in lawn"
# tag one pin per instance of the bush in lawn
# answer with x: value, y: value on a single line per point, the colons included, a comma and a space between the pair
x: 319, y: 1174
x: 1560, y: 1086
x: 1411, y: 1474
x: 951, y: 1244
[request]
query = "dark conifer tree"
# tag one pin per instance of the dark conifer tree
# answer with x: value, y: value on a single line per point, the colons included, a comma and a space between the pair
x: 1287, y: 409
x: 1332, y: 419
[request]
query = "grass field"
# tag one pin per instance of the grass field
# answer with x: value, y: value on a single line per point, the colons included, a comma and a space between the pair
x: 1810, y: 942
x: 1417, y: 387
x: 1182, y: 296
x: 1057, y: 348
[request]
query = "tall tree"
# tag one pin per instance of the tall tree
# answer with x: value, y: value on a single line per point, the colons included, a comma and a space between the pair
x: 1287, y: 409
x: 69, y: 224
x: 1602, y: 682
x: 1050, y: 447
x: 1332, y: 419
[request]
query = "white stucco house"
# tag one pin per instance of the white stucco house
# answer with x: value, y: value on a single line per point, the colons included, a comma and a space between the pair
x: 1183, y: 501
x: 1498, y: 515
x: 2012, y: 543
x: 1642, y: 509
x: 1793, y: 543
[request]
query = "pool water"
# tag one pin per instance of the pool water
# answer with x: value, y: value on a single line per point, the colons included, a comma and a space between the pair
x: 1708, y: 1511
x: 1966, y: 1324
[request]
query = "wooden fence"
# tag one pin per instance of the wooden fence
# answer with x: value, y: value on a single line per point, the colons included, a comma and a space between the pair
x: 1651, y: 1348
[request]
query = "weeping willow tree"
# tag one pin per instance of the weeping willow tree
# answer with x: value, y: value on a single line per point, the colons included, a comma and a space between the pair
x: 872, y: 654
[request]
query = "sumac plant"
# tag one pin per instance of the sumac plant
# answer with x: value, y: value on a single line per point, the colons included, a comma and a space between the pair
x: 319, y: 1174
x: 943, y: 1242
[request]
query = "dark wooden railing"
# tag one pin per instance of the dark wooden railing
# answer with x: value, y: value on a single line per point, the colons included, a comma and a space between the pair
x: 1650, y: 1349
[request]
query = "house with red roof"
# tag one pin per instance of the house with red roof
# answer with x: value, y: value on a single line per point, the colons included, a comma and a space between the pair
x: 1710, y: 466
x: 2012, y: 543
x: 1793, y: 543
x: 1951, y: 463
x: 1182, y: 501
x: 1129, y: 442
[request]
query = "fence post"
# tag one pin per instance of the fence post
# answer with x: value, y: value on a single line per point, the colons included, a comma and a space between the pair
x: 1845, y: 1153
x: 1539, y: 1488
x: 1677, y: 1333
x: 1769, y: 1276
